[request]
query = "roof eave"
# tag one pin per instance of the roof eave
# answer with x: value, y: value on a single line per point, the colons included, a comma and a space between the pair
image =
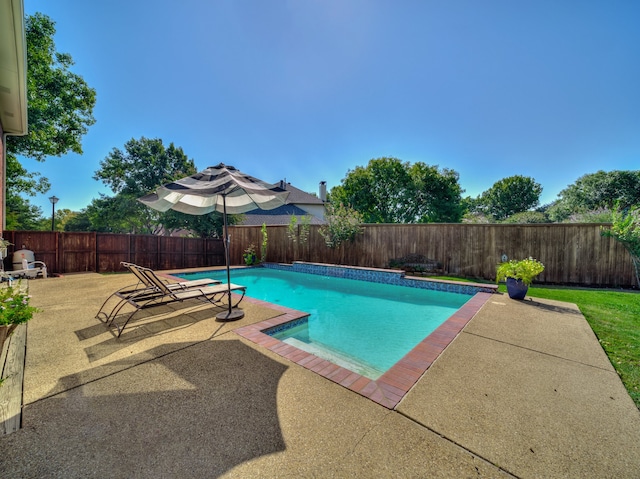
x: 13, y: 68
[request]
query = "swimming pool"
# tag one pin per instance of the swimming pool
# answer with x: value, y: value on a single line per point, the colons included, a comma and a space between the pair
x: 363, y: 326
x: 389, y: 389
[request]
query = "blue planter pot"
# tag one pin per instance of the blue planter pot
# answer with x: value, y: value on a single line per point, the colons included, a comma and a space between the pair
x: 516, y: 288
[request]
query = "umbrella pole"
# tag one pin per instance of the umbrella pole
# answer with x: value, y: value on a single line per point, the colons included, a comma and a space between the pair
x: 231, y: 314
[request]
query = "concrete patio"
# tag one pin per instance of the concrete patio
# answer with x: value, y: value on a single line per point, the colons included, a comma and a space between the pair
x: 524, y: 391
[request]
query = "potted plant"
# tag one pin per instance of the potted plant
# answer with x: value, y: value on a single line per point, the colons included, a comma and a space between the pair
x: 249, y: 255
x: 518, y: 275
x: 14, y: 309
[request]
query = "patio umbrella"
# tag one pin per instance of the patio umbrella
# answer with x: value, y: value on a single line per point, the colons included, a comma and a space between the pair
x: 220, y: 188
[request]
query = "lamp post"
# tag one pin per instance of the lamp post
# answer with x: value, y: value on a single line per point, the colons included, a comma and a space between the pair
x: 53, y: 200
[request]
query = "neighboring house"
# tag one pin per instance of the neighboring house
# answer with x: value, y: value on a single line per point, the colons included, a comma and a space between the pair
x: 299, y: 204
x: 13, y: 84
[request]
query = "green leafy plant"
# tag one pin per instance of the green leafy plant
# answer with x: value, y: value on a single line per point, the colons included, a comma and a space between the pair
x: 14, y: 305
x: 249, y: 255
x: 300, y: 233
x: 305, y: 224
x: 626, y: 230
x: 524, y: 270
x: 343, y: 224
x: 263, y: 246
x: 291, y: 228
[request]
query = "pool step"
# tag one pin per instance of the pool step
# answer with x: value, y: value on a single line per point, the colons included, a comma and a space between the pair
x: 336, y: 357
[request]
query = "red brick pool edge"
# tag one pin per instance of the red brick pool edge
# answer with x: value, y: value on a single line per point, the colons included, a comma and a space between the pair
x: 389, y: 389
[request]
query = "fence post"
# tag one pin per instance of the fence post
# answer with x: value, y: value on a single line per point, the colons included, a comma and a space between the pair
x: 96, y: 256
x: 57, y: 246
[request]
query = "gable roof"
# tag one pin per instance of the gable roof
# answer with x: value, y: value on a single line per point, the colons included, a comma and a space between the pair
x: 278, y: 216
x: 297, y: 196
x: 295, y: 206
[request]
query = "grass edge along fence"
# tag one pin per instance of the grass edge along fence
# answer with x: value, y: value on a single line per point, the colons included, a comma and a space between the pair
x: 573, y: 254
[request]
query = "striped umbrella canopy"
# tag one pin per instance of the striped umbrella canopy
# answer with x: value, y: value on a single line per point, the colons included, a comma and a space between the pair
x: 220, y: 188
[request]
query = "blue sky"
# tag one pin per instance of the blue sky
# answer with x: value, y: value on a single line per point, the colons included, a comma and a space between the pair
x: 307, y: 90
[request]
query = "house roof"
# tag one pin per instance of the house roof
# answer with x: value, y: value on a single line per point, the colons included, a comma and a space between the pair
x: 297, y: 196
x: 295, y: 206
x: 278, y: 216
x: 13, y: 65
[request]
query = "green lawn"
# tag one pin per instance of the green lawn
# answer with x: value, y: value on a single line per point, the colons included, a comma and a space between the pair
x: 615, y: 318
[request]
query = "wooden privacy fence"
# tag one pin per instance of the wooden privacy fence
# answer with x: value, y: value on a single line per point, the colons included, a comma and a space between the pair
x: 103, y: 252
x: 573, y: 254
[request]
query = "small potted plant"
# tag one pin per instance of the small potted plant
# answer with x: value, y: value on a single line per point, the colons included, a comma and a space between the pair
x: 14, y: 309
x: 249, y: 255
x: 518, y: 275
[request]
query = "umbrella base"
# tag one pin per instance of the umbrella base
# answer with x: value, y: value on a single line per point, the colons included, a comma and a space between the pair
x: 233, y: 315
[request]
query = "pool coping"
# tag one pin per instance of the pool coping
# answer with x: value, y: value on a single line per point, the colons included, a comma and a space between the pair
x: 389, y: 389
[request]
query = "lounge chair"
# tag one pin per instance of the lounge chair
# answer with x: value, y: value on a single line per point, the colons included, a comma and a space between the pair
x: 35, y: 268
x: 147, y: 298
x: 30, y: 270
x: 144, y: 287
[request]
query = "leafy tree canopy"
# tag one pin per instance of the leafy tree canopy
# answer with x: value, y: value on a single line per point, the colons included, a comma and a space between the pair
x: 626, y: 230
x: 139, y: 169
x: 60, y: 110
x: 390, y: 191
x: 21, y: 215
x: 60, y: 103
x: 511, y: 195
x: 78, y: 221
x: 596, y: 191
x: 526, y: 217
x: 144, y: 165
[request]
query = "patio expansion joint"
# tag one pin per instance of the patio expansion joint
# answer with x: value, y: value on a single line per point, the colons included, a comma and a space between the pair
x: 612, y: 371
x: 456, y: 443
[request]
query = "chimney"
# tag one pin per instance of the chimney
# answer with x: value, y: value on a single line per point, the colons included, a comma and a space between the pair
x: 283, y: 184
x: 323, y: 191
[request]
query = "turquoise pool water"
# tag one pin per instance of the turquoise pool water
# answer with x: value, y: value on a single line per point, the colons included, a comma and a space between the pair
x: 363, y: 326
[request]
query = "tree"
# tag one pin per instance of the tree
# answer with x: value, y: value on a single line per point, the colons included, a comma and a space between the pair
x: 21, y: 215
x: 526, y: 217
x: 78, y: 222
x: 60, y: 103
x: 144, y: 165
x: 342, y: 224
x: 437, y: 194
x: 390, y: 191
x: 204, y: 226
x: 626, y: 230
x: 596, y: 191
x: 63, y: 216
x: 113, y: 214
x: 60, y: 110
x: 511, y: 195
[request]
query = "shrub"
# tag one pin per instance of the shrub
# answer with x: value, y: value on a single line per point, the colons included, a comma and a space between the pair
x: 343, y: 224
x: 524, y: 270
x: 14, y: 305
